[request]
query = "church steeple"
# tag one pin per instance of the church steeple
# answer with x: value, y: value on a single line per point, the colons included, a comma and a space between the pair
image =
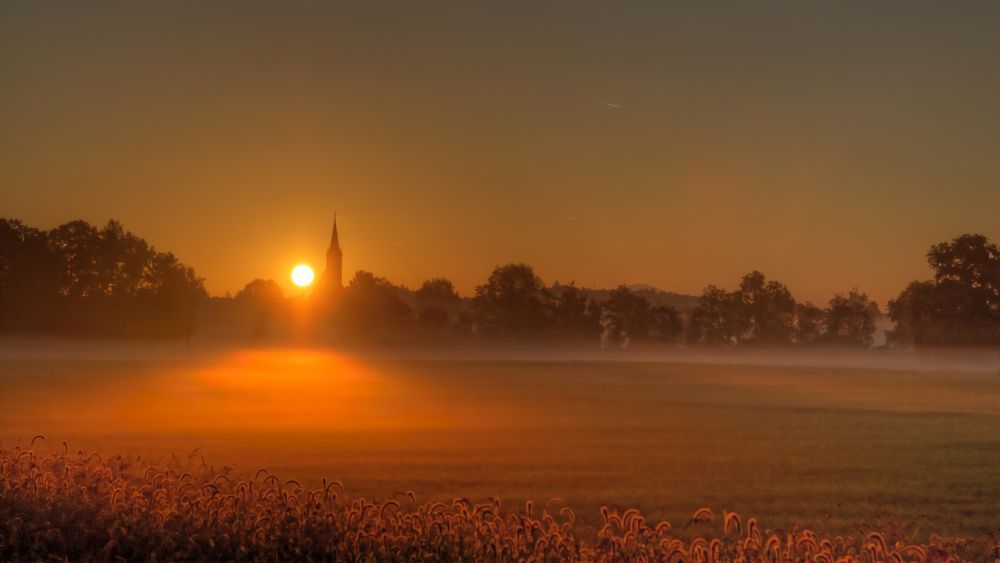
x: 331, y: 283
x: 333, y: 276
x: 334, y: 239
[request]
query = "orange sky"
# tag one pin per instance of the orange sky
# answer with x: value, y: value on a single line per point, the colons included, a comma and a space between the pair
x: 827, y: 146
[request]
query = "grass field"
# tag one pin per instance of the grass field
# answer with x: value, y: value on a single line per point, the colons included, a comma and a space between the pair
x: 830, y: 448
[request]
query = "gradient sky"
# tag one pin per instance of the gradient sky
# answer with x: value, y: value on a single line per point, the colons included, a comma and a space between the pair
x: 675, y: 144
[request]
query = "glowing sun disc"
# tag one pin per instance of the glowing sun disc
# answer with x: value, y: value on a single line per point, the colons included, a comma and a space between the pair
x: 302, y: 275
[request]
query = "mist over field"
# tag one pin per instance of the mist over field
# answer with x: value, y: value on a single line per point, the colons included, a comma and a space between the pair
x: 828, y: 440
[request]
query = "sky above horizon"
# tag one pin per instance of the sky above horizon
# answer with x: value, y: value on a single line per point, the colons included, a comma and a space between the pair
x: 671, y: 144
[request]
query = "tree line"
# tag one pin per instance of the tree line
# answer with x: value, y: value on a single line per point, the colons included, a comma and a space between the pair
x: 515, y: 305
x: 80, y: 279
x: 77, y: 279
x: 960, y: 306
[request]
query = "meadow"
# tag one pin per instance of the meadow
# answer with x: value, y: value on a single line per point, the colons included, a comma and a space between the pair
x: 839, y: 450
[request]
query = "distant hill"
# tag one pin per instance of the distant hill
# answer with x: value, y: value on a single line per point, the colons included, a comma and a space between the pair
x: 656, y: 296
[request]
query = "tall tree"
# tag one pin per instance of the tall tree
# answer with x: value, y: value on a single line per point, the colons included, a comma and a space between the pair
x: 574, y: 316
x: 961, y: 306
x: 809, y: 323
x: 174, y: 293
x: 371, y: 309
x: 78, y: 244
x: 665, y: 325
x: 769, y: 310
x: 263, y: 301
x: 719, y: 319
x: 850, y: 319
x: 921, y: 317
x: 438, y: 304
x: 30, y: 278
x: 627, y: 317
x: 760, y: 311
x: 438, y: 292
x: 970, y: 261
x: 512, y: 303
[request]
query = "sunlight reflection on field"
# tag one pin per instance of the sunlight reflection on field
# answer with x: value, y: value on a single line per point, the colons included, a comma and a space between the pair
x: 254, y: 390
x: 275, y: 389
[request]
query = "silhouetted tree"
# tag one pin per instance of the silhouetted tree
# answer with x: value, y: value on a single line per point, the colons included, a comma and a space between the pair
x: 264, y: 302
x: 760, y: 311
x: 30, y: 278
x: 171, y: 293
x: 769, y: 310
x: 573, y: 316
x: 371, y: 309
x: 262, y: 294
x: 921, y: 317
x: 595, y: 311
x: 438, y: 292
x: 961, y: 306
x: 809, y: 323
x: 438, y: 304
x: 434, y: 318
x: 627, y: 317
x: 78, y: 244
x: 971, y: 262
x: 512, y: 303
x: 850, y: 319
x: 665, y: 325
x: 719, y: 319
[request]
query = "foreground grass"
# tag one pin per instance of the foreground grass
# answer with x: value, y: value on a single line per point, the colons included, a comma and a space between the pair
x: 85, y: 507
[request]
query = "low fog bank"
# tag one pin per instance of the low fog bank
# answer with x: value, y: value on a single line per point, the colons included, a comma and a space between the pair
x: 964, y: 360
x: 56, y: 350
x: 40, y: 349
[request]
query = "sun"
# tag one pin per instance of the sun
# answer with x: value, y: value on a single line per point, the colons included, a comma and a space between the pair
x: 302, y: 275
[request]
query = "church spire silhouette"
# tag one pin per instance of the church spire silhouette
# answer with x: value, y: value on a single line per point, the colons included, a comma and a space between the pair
x: 331, y: 283
x: 334, y: 261
x: 334, y: 239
